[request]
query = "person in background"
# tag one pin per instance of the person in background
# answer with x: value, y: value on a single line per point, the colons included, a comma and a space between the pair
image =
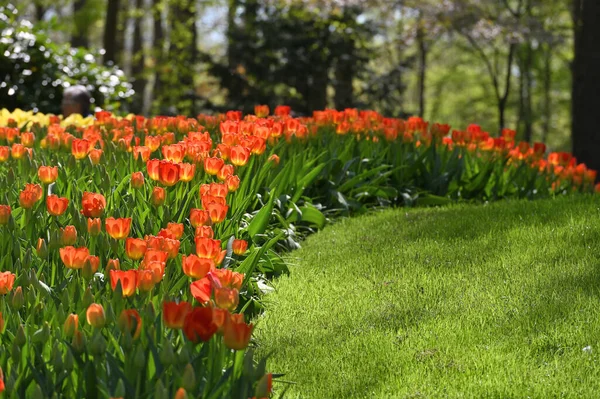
x: 76, y: 100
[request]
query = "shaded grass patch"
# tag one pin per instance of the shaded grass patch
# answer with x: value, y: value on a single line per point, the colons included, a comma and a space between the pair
x: 493, y: 300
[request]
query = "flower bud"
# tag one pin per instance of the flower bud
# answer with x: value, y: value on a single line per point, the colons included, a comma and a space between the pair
x: 94, y: 226
x: 158, y: 196
x: 166, y: 355
x: 71, y: 325
x: 137, y: 180
x: 181, y: 394
x: 139, y: 359
x: 95, y: 315
x: 68, y: 236
x: 88, y: 298
x: 20, y: 338
x: 98, y: 345
x: 189, y: 378
x: 78, y: 342
x: 41, y: 248
x: 18, y: 299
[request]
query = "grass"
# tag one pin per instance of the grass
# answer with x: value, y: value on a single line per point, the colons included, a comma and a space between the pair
x: 490, y: 301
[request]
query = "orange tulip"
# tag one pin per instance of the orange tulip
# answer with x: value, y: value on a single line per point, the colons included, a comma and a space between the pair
x: 80, y: 148
x: 92, y: 204
x: 228, y: 278
x: 264, y: 386
x: 27, y: 198
x: 158, y: 196
x: 74, y: 258
x: 157, y: 269
x: 145, y: 280
x: 236, y: 335
x: 282, y: 110
x: 198, y: 324
x: 181, y: 394
x: 239, y: 246
x: 112, y: 264
x: 218, y: 190
x: 153, y: 169
x: 137, y: 180
x: 130, y: 320
x: 174, y: 314
x: 118, y: 228
x: 186, y: 171
x: 209, y: 199
x: 239, y: 155
x: 135, y: 248
x: 207, y: 247
x: 4, y: 153
x: 127, y: 278
x: 227, y: 298
x: 204, y: 231
x: 56, y: 206
x: 7, y: 279
x: 71, y: 325
x: 196, y: 267
x: 168, y: 173
x: 93, y: 262
x: 275, y: 159
x: 95, y: 315
x: 174, y: 152
x: 94, y: 226
x: 95, y: 156
x: 17, y: 151
x: 5, y: 213
x: 176, y: 229
x: 142, y: 152
x: 155, y: 255
x: 68, y: 235
x: 199, y: 217
x: 152, y: 142
x: 261, y: 111
x: 226, y: 170
x: 213, y: 165
x: 48, y: 174
x: 217, y: 212
x: 233, y: 183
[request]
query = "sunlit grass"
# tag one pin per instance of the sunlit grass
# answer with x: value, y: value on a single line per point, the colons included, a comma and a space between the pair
x: 468, y: 301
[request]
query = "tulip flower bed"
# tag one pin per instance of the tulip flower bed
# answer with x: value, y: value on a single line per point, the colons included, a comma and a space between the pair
x: 133, y: 250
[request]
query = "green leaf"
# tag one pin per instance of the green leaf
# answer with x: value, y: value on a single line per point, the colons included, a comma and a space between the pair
x: 312, y: 215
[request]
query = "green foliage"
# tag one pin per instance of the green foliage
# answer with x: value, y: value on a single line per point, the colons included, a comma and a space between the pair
x: 35, y: 70
x: 417, y: 303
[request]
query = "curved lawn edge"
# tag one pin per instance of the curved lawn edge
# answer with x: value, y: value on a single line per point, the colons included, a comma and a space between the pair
x: 495, y: 300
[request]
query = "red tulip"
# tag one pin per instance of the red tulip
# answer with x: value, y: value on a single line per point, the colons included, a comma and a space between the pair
x: 201, y: 290
x: 236, y: 335
x: 198, y: 324
x: 174, y: 314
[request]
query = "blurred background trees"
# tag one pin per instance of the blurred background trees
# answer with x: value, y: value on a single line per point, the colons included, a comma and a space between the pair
x: 500, y: 63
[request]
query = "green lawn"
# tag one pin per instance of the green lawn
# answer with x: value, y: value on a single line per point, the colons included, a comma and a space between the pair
x: 491, y: 301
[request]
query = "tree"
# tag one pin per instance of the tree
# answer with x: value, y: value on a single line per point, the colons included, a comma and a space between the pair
x: 110, y: 30
x: 586, y: 83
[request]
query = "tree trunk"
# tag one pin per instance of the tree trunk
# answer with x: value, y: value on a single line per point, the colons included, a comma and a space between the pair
x: 80, y: 34
x: 138, y: 59
x: 344, y: 77
x: 586, y: 84
x: 547, y: 100
x: 40, y: 10
x: 110, y: 31
x: 422, y: 66
x: 157, y: 49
